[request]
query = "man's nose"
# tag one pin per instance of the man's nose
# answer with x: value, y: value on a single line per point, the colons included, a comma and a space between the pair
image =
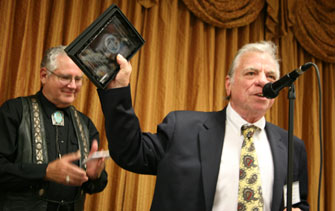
x: 72, y: 84
x: 262, y: 79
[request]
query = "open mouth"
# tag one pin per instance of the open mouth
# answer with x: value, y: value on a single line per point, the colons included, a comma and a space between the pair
x: 260, y: 95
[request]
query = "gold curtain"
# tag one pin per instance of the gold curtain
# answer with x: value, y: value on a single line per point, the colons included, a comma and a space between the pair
x: 181, y: 66
x: 315, y: 28
x: 312, y: 21
x: 228, y: 13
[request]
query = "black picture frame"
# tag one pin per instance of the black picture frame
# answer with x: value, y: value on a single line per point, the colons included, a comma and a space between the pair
x: 96, y: 48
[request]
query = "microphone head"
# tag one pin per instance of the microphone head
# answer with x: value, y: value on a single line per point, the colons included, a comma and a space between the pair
x: 306, y: 66
x: 269, y: 92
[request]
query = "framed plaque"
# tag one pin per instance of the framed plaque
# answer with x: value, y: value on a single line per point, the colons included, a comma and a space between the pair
x: 95, y: 49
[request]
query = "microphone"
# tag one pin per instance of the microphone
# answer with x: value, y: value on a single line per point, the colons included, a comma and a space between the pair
x: 271, y: 90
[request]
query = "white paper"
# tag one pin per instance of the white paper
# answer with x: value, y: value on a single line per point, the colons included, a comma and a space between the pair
x: 295, y: 193
x: 97, y: 155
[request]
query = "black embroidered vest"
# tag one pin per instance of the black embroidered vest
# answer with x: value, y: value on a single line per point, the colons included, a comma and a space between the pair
x: 32, y: 148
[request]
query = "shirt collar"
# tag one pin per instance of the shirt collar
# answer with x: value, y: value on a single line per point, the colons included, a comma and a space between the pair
x: 49, y: 107
x: 237, y: 121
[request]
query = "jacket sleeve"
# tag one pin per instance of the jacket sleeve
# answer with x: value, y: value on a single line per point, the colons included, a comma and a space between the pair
x: 129, y: 147
x: 302, y: 175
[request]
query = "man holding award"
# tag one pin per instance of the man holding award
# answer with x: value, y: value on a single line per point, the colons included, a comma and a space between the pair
x: 231, y: 159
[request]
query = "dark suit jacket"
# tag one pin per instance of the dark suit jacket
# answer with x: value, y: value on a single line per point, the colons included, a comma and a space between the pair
x: 185, y: 153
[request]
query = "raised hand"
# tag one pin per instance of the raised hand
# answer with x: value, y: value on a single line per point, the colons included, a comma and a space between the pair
x: 123, y: 77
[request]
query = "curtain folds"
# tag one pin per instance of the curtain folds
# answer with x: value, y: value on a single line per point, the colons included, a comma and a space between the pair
x: 226, y: 14
x: 279, y: 18
x: 147, y: 3
x: 315, y: 28
x: 182, y: 65
x: 312, y: 23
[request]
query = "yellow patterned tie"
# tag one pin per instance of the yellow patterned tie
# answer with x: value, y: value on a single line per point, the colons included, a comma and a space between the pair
x: 250, y: 190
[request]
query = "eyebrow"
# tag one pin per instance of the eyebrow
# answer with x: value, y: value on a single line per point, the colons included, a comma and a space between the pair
x: 271, y: 72
x: 250, y: 68
x: 66, y: 75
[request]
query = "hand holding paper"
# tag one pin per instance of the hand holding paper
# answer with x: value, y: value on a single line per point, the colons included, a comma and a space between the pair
x: 95, y: 162
x: 97, y: 155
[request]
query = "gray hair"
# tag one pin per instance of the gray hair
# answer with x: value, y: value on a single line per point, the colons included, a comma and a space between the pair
x: 262, y: 47
x: 49, y: 60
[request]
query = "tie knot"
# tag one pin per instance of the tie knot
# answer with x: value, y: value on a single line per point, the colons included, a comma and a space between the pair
x: 248, y: 130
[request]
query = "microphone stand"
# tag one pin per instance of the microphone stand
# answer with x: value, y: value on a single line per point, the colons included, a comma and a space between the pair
x: 291, y: 97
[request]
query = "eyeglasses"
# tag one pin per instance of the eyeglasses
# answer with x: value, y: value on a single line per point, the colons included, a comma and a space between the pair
x: 67, y: 79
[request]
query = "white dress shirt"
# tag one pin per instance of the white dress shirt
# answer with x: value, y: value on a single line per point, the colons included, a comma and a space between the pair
x: 226, y: 194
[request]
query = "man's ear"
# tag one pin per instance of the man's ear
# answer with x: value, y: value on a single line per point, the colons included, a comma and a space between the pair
x: 43, y: 75
x: 228, y: 85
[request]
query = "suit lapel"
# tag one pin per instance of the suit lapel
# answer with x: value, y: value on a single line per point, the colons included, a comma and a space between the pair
x: 279, y: 155
x: 211, y: 142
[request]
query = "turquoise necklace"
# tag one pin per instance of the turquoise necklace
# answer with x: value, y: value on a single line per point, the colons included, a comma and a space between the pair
x: 58, y: 120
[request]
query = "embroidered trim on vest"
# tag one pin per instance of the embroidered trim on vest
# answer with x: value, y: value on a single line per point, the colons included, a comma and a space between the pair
x: 84, y: 143
x: 37, y: 132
